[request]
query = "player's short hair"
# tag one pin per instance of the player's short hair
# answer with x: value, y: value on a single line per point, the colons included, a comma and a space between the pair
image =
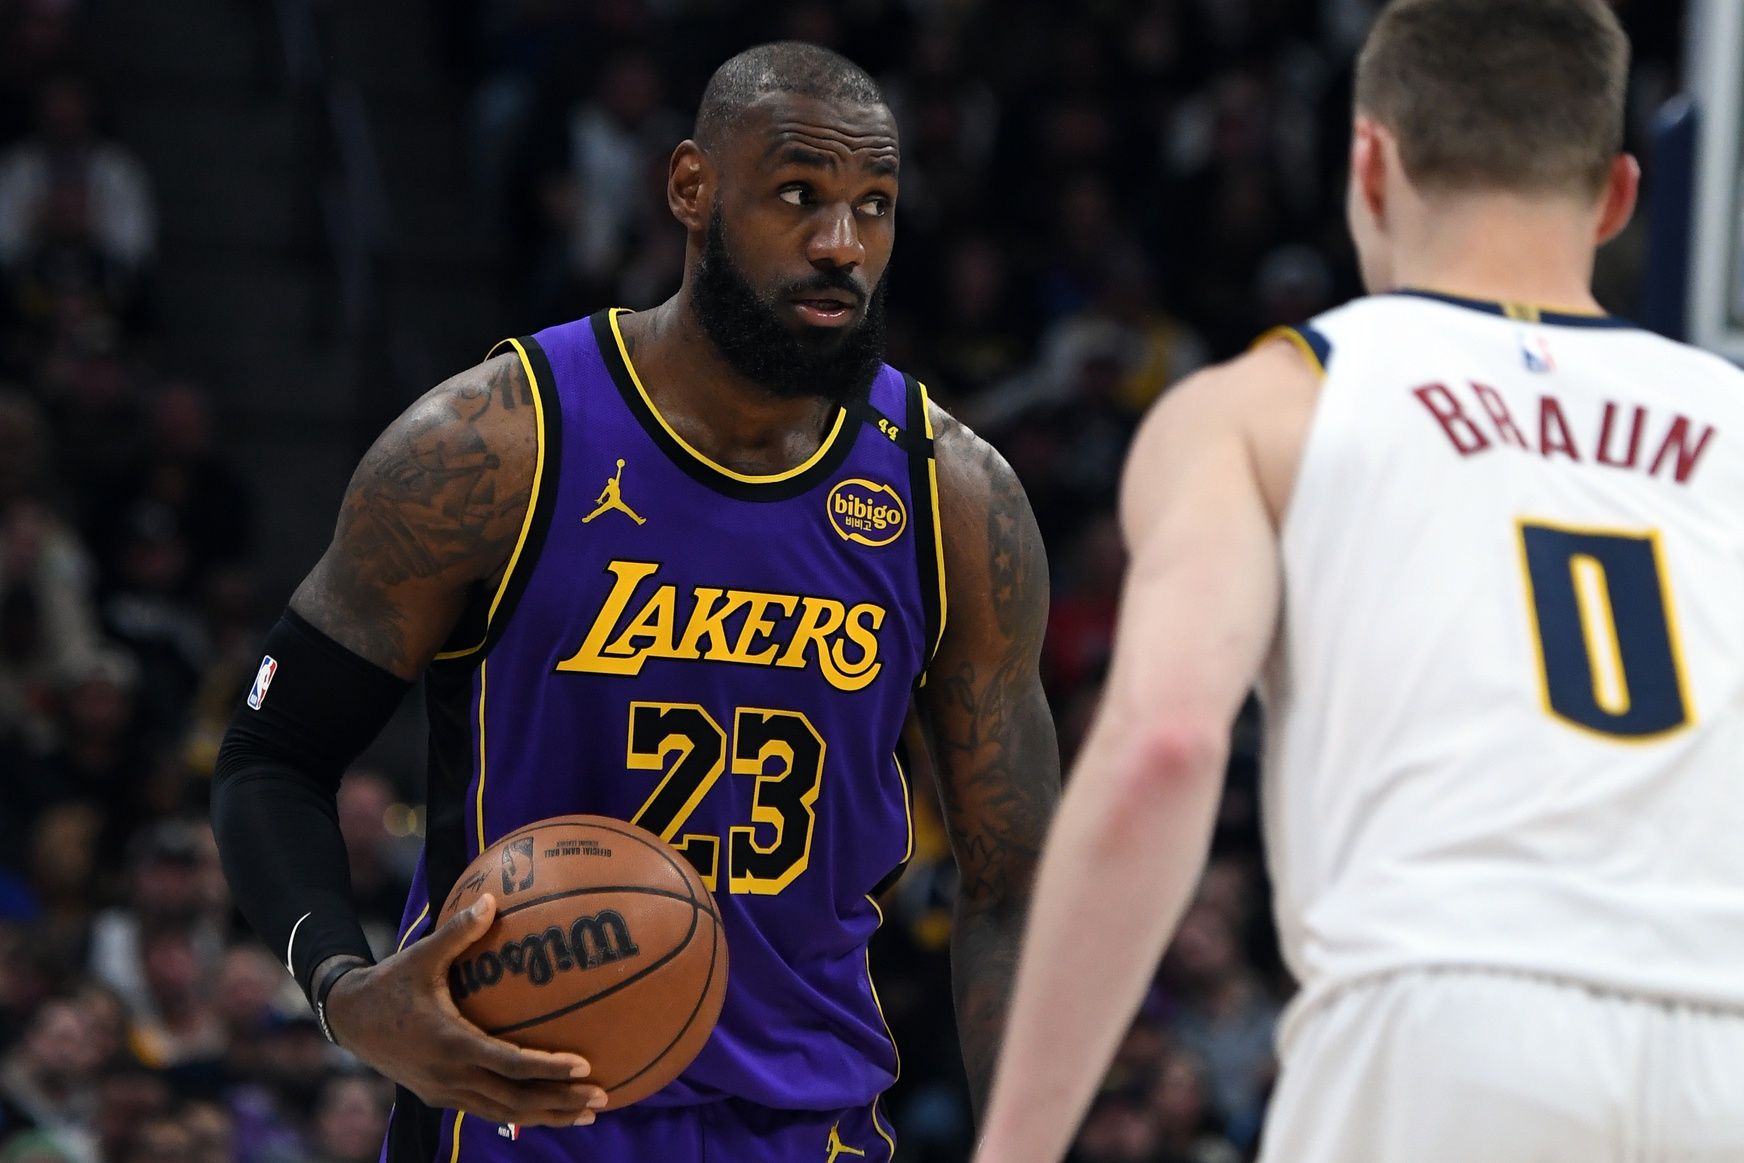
x: 784, y: 66
x: 1523, y: 95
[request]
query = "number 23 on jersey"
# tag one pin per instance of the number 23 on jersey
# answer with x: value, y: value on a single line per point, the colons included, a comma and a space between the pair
x: 781, y: 750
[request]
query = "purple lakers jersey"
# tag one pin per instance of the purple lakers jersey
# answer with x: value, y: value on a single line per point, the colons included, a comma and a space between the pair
x: 726, y: 660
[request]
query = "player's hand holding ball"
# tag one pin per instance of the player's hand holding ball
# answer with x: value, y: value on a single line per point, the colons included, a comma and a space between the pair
x: 399, y: 1018
x: 606, y: 944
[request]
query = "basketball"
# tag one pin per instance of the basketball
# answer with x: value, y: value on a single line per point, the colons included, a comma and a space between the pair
x: 605, y: 944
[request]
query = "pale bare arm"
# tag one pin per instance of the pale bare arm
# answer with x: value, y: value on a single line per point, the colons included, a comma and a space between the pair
x: 1197, y: 616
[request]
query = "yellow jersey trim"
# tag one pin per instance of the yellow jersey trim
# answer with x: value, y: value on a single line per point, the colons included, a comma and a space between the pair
x: 478, y: 811
x: 907, y: 854
x: 743, y: 478
x: 889, y: 1036
x: 938, y: 529
x: 413, y: 927
x: 454, y: 1155
x: 532, y: 499
x: 1299, y: 341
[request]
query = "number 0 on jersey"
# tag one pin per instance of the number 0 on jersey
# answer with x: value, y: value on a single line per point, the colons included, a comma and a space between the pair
x: 1608, y: 653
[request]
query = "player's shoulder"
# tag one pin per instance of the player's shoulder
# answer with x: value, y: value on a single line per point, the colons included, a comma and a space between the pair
x: 464, y: 455
x: 1281, y: 371
x: 1688, y: 358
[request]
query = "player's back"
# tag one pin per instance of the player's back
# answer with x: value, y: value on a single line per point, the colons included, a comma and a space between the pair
x: 1506, y: 705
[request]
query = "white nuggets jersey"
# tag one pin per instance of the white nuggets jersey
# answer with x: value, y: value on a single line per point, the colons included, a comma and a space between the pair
x: 1506, y: 705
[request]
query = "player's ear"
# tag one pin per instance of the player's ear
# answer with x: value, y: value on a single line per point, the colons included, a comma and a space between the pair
x: 690, y: 185
x: 1368, y: 169
x: 1622, y: 188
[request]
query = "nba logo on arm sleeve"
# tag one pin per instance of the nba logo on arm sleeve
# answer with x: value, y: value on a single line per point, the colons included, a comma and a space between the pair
x: 263, y: 677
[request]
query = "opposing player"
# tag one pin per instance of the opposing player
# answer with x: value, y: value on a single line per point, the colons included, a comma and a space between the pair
x: 694, y: 567
x: 1483, y: 547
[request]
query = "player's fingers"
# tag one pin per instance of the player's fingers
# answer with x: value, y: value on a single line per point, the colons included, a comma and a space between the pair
x: 510, y: 1061
x: 534, y: 1101
x: 459, y: 931
x: 573, y: 1097
x: 483, y: 1106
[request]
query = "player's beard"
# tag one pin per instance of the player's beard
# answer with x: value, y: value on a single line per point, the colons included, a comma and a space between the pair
x: 747, y: 330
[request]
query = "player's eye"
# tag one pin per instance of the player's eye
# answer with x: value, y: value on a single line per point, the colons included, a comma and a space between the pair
x: 875, y: 207
x: 797, y: 195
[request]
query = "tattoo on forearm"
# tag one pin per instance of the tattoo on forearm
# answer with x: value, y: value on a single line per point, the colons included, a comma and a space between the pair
x: 999, y: 766
x: 984, y: 948
x: 991, y: 720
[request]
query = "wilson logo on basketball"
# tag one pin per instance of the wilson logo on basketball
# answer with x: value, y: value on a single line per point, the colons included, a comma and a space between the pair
x: 588, y: 943
x: 866, y: 513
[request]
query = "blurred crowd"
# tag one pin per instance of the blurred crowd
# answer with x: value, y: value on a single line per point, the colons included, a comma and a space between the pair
x: 1097, y: 199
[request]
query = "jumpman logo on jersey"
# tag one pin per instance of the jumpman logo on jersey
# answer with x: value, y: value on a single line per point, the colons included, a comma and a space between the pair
x: 611, y: 498
x: 839, y: 1148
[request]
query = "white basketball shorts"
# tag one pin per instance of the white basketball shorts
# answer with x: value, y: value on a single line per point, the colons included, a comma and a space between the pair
x: 1458, y: 1066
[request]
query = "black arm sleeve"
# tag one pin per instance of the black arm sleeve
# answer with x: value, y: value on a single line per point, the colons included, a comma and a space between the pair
x: 314, y: 707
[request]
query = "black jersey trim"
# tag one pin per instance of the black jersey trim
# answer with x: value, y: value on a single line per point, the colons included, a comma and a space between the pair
x: 486, y: 614
x: 800, y: 479
x: 1524, y: 312
x: 923, y: 490
x: 905, y: 438
x: 448, y: 774
x: 414, y: 1130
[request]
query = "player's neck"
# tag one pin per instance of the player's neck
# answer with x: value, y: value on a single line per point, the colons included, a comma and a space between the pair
x: 724, y: 415
x: 1501, y: 249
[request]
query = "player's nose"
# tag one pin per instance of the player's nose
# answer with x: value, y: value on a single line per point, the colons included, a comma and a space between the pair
x: 836, y: 240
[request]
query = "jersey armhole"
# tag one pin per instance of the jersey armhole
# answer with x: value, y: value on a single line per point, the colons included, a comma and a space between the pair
x: 929, y: 550
x: 488, y: 610
x: 1308, y: 339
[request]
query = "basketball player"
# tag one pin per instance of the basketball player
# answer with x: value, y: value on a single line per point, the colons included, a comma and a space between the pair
x: 694, y: 567
x: 1481, y: 543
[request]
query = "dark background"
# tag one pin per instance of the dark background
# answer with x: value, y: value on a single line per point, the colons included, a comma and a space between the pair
x: 238, y: 236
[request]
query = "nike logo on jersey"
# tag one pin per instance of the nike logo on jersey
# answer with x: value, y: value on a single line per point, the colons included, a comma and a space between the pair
x: 1624, y: 436
x: 706, y: 624
x: 611, y: 499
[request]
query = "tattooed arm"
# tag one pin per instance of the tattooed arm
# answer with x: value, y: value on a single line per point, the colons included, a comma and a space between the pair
x: 434, y: 509
x: 993, y: 737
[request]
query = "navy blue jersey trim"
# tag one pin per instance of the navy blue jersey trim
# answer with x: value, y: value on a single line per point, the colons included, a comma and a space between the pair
x: 1524, y: 312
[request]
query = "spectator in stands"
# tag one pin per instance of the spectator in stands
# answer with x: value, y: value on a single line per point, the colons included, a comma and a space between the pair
x: 129, y: 1096
x: 48, y: 622
x: 351, y: 1116
x: 380, y: 872
x: 594, y: 196
x: 67, y: 157
x: 1226, y: 1016
x: 47, y: 1081
x: 78, y: 228
x: 169, y: 889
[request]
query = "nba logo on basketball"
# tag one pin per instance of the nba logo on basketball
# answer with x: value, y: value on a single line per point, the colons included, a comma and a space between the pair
x: 518, y: 865
x: 263, y: 677
x: 1536, y: 348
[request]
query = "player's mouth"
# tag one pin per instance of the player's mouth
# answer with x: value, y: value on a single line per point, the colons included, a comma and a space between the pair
x: 825, y: 308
